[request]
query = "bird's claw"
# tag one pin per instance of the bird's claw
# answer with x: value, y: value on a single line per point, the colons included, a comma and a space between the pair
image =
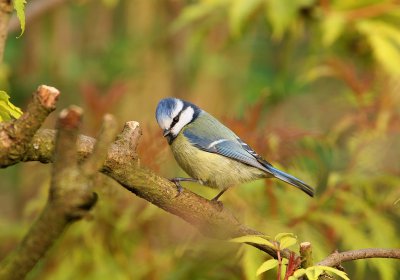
x: 179, y: 188
x: 217, y: 203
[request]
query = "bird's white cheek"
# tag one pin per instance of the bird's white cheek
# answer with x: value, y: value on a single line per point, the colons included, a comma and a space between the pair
x: 185, y: 118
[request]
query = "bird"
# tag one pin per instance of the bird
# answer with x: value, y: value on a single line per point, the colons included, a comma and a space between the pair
x: 210, y: 153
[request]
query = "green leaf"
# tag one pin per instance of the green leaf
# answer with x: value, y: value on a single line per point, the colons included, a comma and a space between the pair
x: 4, y: 116
x: 299, y: 273
x: 19, y: 7
x: 287, y: 241
x: 257, y: 239
x: 279, y: 236
x: 268, y: 265
x: 315, y: 271
x: 318, y: 270
x: 338, y: 272
x: 311, y: 274
x: 7, y: 110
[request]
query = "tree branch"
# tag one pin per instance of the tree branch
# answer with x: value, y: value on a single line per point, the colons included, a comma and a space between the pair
x: 122, y: 164
x: 337, y: 258
x: 70, y: 196
x: 16, y: 135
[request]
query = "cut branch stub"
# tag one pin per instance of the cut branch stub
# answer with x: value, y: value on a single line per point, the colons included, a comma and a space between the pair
x: 16, y: 135
x: 306, y: 254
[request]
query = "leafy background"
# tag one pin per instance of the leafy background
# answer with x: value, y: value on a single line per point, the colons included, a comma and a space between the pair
x: 311, y: 85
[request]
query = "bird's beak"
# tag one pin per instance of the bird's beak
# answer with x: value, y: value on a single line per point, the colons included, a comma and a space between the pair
x: 166, y: 132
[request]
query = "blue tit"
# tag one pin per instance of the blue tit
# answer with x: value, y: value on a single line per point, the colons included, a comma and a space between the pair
x: 210, y: 152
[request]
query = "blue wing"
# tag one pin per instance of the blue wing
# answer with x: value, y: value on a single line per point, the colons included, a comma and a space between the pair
x: 234, y: 148
x: 217, y: 138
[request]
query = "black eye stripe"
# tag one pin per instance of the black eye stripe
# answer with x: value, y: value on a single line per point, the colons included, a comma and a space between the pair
x: 175, y: 119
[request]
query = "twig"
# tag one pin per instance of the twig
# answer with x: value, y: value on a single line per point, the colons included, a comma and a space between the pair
x: 306, y: 254
x: 279, y: 263
x: 337, y: 258
x: 16, y: 135
x: 70, y: 196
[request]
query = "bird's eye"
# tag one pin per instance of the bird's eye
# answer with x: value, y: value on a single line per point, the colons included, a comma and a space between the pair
x: 176, y: 119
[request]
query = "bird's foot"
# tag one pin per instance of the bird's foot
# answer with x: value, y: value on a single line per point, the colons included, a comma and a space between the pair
x: 215, y: 199
x: 218, y: 204
x: 177, y: 183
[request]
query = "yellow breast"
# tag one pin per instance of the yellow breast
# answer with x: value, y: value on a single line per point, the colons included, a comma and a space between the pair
x: 212, y: 169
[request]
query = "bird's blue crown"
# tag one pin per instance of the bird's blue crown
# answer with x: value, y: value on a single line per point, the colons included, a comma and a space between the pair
x: 168, y: 108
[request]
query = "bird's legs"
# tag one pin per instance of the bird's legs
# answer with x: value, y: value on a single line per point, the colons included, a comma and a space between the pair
x: 215, y: 199
x: 177, y: 181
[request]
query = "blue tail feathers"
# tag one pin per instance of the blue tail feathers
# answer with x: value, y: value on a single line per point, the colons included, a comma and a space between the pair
x: 291, y: 180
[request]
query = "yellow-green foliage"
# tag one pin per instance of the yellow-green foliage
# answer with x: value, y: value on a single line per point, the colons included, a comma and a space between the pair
x: 314, y: 272
x: 19, y: 6
x: 282, y: 241
x: 8, y: 111
x: 312, y: 86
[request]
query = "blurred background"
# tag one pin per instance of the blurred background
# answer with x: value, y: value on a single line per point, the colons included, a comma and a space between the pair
x: 313, y: 86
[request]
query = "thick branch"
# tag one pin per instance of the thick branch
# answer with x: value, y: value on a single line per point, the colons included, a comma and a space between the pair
x: 122, y: 164
x: 16, y: 135
x: 337, y: 258
x: 69, y: 200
